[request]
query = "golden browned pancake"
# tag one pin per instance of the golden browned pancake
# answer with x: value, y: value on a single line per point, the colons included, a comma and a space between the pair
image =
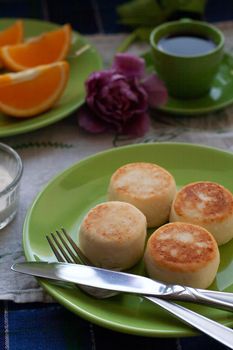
x: 182, y: 253
x: 112, y: 235
x: 147, y: 186
x: 207, y: 204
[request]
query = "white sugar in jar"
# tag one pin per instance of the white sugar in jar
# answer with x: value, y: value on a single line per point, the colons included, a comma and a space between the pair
x: 11, y: 169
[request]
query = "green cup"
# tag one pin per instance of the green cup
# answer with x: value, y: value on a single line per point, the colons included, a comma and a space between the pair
x: 187, y: 76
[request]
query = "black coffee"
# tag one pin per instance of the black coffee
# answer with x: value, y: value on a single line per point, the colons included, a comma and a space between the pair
x: 186, y: 45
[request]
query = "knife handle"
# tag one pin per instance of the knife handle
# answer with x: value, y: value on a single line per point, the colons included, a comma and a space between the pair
x: 214, y: 329
x: 222, y: 296
x: 216, y: 299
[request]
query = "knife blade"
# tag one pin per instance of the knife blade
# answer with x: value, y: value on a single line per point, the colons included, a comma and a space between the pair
x: 96, y: 277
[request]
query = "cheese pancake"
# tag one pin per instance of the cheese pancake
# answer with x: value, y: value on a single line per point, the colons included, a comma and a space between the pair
x: 207, y: 204
x: 147, y: 186
x: 182, y: 253
x: 112, y: 235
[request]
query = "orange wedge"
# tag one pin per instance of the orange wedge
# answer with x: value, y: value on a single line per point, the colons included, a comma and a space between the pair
x: 47, y: 48
x: 12, y: 35
x: 32, y: 91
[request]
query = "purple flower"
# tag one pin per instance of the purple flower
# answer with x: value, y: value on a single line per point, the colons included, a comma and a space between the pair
x: 117, y: 99
x: 129, y: 65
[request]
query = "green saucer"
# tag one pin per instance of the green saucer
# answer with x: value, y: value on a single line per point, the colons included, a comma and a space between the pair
x: 220, y: 95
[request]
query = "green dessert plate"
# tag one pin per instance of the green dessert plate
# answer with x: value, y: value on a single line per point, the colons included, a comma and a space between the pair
x: 74, y: 95
x: 219, y: 97
x: 67, y: 198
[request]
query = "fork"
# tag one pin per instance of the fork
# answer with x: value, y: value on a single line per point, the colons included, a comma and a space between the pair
x: 66, y: 253
x: 66, y: 250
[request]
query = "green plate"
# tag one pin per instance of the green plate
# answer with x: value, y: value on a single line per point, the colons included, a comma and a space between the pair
x: 220, y: 95
x: 68, y: 197
x: 74, y: 95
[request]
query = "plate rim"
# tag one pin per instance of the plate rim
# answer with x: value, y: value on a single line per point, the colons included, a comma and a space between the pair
x: 11, y: 129
x: 76, y: 308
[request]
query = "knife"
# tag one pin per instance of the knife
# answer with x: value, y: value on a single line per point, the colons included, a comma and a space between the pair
x: 123, y: 282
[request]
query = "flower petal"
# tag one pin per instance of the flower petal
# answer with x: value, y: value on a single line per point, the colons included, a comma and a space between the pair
x: 137, y: 126
x: 156, y: 90
x: 129, y: 65
x: 88, y: 121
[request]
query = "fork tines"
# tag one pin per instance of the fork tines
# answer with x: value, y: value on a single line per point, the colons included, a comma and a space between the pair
x: 65, y: 249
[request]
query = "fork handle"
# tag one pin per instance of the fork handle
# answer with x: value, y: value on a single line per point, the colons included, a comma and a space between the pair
x: 214, y: 329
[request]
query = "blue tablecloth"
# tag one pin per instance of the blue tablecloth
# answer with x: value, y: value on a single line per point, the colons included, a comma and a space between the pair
x: 39, y: 326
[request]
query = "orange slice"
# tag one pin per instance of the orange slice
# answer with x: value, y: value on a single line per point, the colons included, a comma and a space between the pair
x: 32, y: 91
x: 12, y: 35
x: 47, y: 48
